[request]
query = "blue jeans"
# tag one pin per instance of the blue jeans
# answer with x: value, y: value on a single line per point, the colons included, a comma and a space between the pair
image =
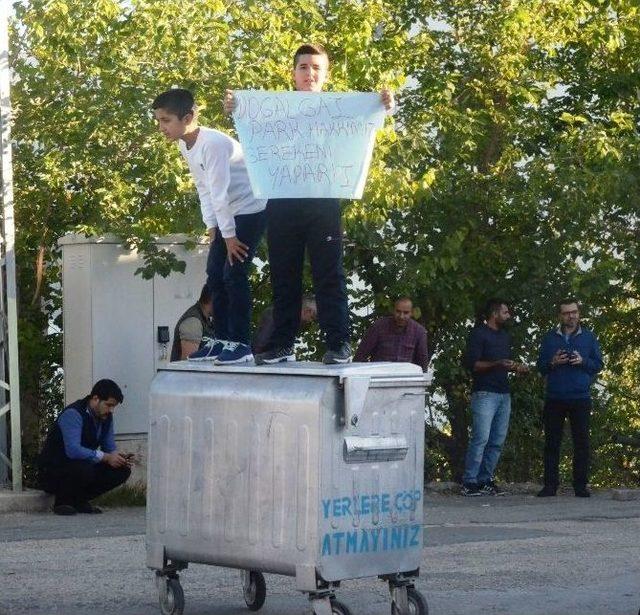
x: 491, y: 413
x: 229, y: 284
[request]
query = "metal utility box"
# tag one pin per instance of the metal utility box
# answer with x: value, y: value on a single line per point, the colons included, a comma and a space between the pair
x: 111, y: 318
x: 300, y: 469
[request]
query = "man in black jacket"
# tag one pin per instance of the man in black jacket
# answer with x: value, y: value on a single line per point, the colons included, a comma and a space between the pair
x: 79, y: 460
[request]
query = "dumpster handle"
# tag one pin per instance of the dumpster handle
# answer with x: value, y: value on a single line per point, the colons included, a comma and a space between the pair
x: 419, y: 379
x: 356, y: 389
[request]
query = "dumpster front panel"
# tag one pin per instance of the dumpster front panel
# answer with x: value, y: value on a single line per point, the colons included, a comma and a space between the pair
x: 370, y: 506
x: 233, y: 469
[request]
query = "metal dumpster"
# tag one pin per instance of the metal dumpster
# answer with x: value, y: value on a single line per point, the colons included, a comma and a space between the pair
x: 300, y: 469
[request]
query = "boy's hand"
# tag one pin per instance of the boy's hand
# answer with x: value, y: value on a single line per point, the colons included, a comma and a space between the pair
x: 212, y: 233
x: 228, y: 102
x: 236, y: 249
x: 386, y: 96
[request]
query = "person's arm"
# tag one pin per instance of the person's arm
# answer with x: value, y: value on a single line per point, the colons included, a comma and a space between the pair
x: 388, y: 100
x: 420, y: 352
x: 206, y: 208
x: 549, y: 359
x: 228, y: 102
x: 367, y: 345
x: 109, y: 442
x: 591, y: 364
x: 487, y: 366
x: 217, y: 160
x: 190, y: 333
x: 70, y: 423
x: 187, y: 348
x: 110, y: 455
x: 475, y: 351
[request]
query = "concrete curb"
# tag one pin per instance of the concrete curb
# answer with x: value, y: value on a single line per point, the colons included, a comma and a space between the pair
x: 27, y: 501
x: 625, y: 495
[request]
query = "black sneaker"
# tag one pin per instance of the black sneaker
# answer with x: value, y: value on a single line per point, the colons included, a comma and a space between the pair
x: 470, y: 491
x: 87, y: 508
x: 341, y: 355
x: 492, y: 488
x: 64, y: 509
x: 277, y: 355
x: 547, y: 492
x: 582, y: 493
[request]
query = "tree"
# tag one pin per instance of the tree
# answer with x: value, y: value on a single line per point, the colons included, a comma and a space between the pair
x: 513, y: 175
x: 510, y: 169
x: 87, y: 155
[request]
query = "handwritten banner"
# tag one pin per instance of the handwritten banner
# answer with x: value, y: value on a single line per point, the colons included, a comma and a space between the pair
x: 307, y: 144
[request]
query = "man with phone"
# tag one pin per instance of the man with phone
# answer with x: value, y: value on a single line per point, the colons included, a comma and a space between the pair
x: 79, y: 460
x: 488, y: 358
x: 569, y: 359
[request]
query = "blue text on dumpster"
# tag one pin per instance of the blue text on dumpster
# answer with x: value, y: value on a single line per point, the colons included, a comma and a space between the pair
x: 370, y: 504
x: 371, y: 539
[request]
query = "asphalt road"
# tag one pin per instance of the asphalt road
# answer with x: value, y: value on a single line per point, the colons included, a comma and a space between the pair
x: 516, y: 555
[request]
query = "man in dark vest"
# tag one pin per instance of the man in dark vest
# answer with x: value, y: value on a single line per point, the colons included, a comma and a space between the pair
x: 79, y: 460
x: 194, y: 328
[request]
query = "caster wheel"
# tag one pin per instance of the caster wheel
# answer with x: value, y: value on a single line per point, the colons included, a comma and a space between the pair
x: 338, y: 608
x: 417, y: 604
x: 171, y: 597
x: 256, y: 592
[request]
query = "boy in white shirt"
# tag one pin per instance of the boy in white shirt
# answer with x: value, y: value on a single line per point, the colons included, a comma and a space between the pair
x: 234, y: 218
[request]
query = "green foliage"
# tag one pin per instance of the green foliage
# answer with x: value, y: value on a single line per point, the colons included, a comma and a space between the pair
x: 510, y: 169
x: 124, y: 496
x: 514, y: 172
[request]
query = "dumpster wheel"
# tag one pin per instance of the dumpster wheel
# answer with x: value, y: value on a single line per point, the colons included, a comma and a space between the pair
x: 254, y: 589
x: 417, y: 604
x: 171, y: 596
x: 339, y: 608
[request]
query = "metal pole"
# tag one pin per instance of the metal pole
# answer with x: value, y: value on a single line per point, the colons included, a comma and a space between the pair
x: 9, y: 248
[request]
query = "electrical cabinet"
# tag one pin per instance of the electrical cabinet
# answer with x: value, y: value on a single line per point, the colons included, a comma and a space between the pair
x: 112, y: 318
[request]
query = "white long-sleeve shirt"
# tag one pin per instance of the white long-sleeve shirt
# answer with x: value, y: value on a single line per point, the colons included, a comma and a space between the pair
x: 216, y: 162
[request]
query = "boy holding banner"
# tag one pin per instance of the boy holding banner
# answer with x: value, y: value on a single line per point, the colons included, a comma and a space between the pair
x: 234, y: 218
x: 314, y: 224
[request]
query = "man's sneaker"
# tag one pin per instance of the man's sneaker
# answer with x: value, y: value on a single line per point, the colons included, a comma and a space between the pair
x: 87, y: 508
x: 546, y: 492
x: 492, y: 488
x: 234, y: 352
x: 341, y: 355
x: 582, y: 493
x: 277, y: 355
x: 64, y: 509
x: 470, y: 491
x: 209, y: 351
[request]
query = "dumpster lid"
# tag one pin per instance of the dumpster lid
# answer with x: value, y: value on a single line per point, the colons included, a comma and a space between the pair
x: 301, y: 368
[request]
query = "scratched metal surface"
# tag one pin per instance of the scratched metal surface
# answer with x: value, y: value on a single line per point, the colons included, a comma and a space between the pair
x: 248, y: 470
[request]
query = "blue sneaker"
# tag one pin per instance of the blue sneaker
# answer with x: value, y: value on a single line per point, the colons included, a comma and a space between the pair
x: 234, y: 352
x: 209, y: 351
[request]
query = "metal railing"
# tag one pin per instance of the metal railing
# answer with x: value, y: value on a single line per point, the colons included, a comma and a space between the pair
x: 9, y: 374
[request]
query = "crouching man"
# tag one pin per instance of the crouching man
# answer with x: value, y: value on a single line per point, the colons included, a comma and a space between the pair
x: 79, y: 461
